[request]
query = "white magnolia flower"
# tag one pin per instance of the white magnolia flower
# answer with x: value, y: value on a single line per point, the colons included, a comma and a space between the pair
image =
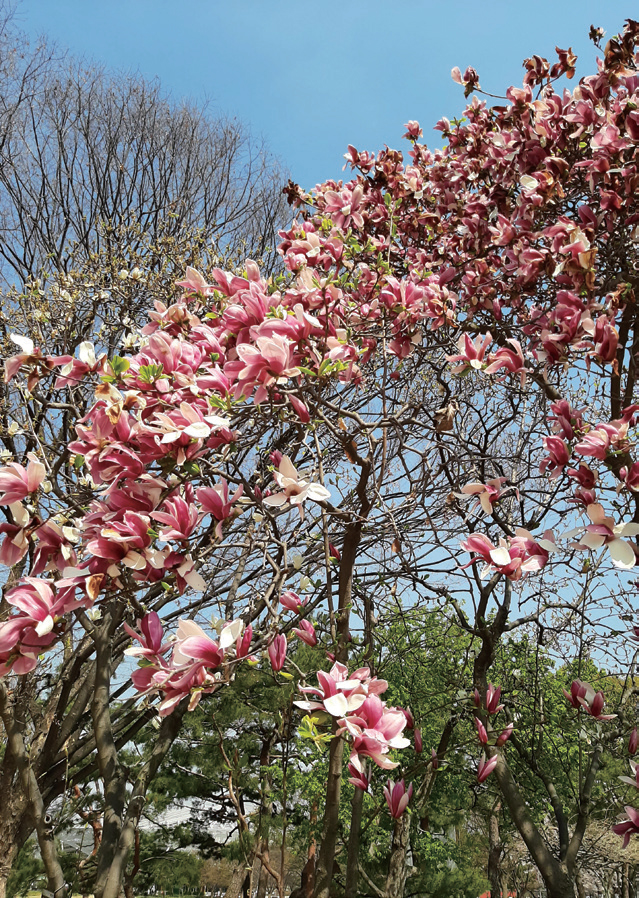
x: 295, y: 490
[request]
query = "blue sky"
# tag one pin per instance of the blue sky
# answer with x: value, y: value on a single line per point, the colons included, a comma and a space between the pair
x: 312, y: 77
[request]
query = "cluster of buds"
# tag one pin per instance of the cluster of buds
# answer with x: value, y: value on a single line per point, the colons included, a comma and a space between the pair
x: 490, y: 705
x: 583, y: 696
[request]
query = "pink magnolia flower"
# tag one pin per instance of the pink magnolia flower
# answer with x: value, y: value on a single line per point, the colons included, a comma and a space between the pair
x: 558, y: 456
x: 375, y: 729
x: 510, y: 359
x: 295, y: 490
x: 20, y: 645
x: 188, y: 423
x: 481, y: 731
x: 74, y: 370
x: 194, y: 645
x: 418, y: 740
x: 630, y: 477
x: 194, y: 282
x: 41, y: 606
x: 397, y: 797
x: 16, y: 482
x: 485, y: 768
x: 216, y: 502
x: 487, y: 493
x: 371, y: 747
x: 243, y: 643
x: 604, y: 532
x: 567, y: 421
x: 633, y: 742
x: 469, y: 80
x: 603, y: 439
x: 271, y: 360
x: 582, y: 695
x: 413, y: 131
x: 15, y: 544
x: 181, y: 518
x: 633, y: 780
x: 24, y: 636
x: 277, y: 652
x: 471, y: 353
x: 150, y: 637
x: 359, y: 773
x: 31, y: 357
x: 301, y: 410
x: 505, y: 735
x: 291, y: 601
x: 306, y: 633
x: 514, y: 558
x: 493, y: 694
x: 338, y: 694
x: 410, y: 720
x: 628, y: 827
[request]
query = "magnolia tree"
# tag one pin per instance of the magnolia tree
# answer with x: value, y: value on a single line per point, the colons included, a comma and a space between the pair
x: 434, y: 402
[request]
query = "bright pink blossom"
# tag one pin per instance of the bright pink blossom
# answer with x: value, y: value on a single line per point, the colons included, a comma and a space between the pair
x: 397, y: 797
x: 277, y: 652
x: 291, y: 601
x: 306, y: 633
x: 485, y: 768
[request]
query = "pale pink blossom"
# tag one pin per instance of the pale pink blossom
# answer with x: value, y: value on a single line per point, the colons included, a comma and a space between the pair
x: 295, y: 490
x: 582, y: 695
x: 629, y: 827
x: 291, y: 601
x: 487, y: 493
x: 216, y: 501
x: 359, y: 773
x: 17, y: 482
x: 604, y: 532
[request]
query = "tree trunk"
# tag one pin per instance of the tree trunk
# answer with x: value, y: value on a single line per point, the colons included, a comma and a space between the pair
x: 326, y: 857
x: 495, y: 849
x: 15, y: 828
x: 396, y: 879
x: 236, y: 885
x: 307, y: 887
x: 352, y: 864
x: 264, y: 874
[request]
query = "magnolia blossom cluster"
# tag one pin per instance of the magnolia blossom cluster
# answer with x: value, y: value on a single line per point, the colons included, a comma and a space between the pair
x: 462, y: 254
x: 514, y: 557
x: 372, y: 727
x: 192, y: 664
x: 489, y: 705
